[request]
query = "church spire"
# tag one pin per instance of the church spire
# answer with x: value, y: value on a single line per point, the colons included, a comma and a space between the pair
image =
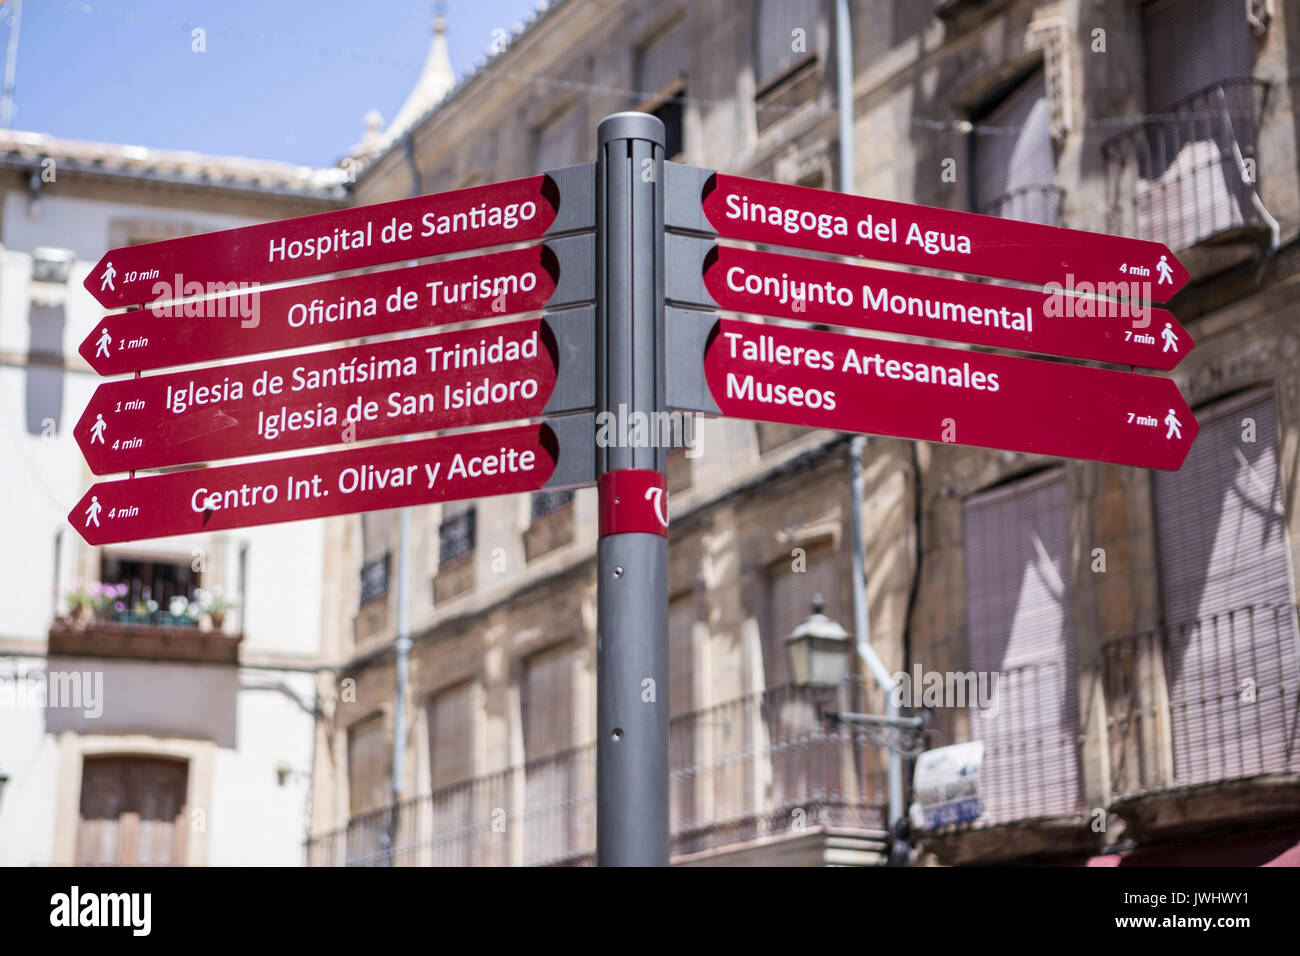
x: 435, y: 82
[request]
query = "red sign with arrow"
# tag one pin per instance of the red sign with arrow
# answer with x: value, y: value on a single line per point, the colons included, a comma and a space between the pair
x: 476, y: 465
x: 926, y: 393
x: 397, y: 300
x: 427, y: 383
x: 910, y: 303
x: 217, y: 262
x: 826, y: 221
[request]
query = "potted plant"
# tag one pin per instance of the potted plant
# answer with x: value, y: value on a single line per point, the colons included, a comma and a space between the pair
x: 105, y: 597
x: 183, y: 612
x: 215, y: 604
x: 80, y: 605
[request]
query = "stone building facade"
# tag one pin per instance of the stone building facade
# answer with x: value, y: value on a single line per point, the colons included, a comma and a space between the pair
x: 1141, y: 625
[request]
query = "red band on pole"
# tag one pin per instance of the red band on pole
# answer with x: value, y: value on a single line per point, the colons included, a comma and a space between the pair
x: 633, y: 500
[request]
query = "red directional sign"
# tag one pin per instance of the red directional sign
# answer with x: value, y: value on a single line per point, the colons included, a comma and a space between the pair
x: 834, y: 222
x: 495, y: 462
x: 926, y: 393
x: 815, y: 290
x: 397, y: 300
x: 426, y: 383
x: 215, y: 262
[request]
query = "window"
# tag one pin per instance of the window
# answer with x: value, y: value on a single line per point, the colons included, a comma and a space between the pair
x: 1020, y: 625
x: 456, y: 533
x: 790, y: 596
x: 562, y: 141
x: 681, y: 701
x: 1225, y: 588
x: 1203, y: 108
x: 1015, y: 162
x: 554, y: 829
x: 376, y: 551
x: 143, y: 580
x: 451, y: 762
x: 132, y: 812
x: 786, y: 74
x: 370, y: 775
x: 789, y: 715
x: 661, y: 74
x: 670, y: 114
x: 785, y: 33
x: 370, y: 762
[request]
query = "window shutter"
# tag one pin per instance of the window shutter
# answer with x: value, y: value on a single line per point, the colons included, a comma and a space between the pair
x: 1015, y: 172
x: 451, y: 762
x: 662, y: 61
x: 790, y: 597
x: 1021, y: 628
x: 561, y: 141
x: 549, y: 781
x: 369, y: 765
x: 681, y: 701
x: 777, y: 21
x: 1225, y: 584
x: 1190, y: 186
x: 1192, y: 44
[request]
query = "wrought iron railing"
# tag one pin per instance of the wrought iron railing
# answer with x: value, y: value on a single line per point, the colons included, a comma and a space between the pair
x: 1191, y: 172
x: 761, y: 765
x: 547, y: 502
x: 375, y: 576
x: 1204, y: 701
x: 1033, y: 744
x: 456, y: 537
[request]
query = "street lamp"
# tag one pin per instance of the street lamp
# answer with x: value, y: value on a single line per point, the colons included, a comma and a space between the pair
x: 818, y: 650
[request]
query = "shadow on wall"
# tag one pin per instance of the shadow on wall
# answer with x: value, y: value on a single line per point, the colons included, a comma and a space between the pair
x: 44, y: 378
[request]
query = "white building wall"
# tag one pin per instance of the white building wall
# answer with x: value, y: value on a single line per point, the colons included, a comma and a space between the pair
x: 252, y: 819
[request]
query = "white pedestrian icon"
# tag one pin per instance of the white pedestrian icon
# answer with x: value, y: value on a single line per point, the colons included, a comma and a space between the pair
x: 92, y: 513
x: 1166, y: 271
x: 107, y: 281
x: 1172, y: 421
x: 97, y: 430
x: 104, y: 339
x: 1171, y: 339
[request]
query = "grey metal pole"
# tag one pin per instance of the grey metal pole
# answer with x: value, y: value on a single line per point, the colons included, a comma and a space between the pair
x: 402, y: 651
x: 861, y: 621
x: 632, y: 551
x: 844, y: 77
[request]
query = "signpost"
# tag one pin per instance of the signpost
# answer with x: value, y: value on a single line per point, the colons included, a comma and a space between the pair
x: 495, y: 462
x: 945, y: 785
x: 427, y: 383
x: 219, y: 262
x: 825, y: 221
x: 624, y: 236
x: 267, y: 320
x: 910, y: 303
x: 926, y: 393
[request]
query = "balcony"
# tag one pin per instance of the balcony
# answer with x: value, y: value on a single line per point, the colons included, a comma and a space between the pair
x: 142, y: 639
x: 1191, y: 174
x: 1204, y: 702
x: 759, y: 769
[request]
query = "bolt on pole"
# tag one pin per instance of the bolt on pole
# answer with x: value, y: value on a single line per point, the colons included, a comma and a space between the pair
x: 632, y: 552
